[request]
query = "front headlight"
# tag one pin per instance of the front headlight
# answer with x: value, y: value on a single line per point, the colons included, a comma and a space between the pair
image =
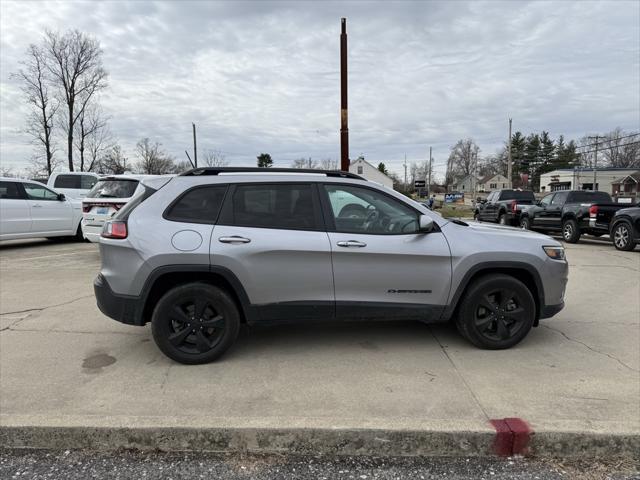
x: 557, y: 253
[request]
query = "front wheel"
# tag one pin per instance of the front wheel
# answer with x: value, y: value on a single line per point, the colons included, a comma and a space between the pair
x: 502, y: 219
x: 570, y: 231
x: 622, y: 237
x: 195, y: 323
x: 497, y: 312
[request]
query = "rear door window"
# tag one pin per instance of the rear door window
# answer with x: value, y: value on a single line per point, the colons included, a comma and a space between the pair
x: 113, y: 188
x: 281, y: 206
x: 67, y: 181
x: 10, y: 191
x: 559, y: 198
x: 198, y: 205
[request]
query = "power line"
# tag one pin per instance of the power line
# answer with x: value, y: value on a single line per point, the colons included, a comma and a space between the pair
x: 605, y: 140
x: 594, y: 150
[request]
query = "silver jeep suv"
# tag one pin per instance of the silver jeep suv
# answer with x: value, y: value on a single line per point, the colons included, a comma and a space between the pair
x: 199, y: 254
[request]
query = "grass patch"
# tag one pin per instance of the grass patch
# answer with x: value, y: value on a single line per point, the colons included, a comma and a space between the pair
x: 449, y: 211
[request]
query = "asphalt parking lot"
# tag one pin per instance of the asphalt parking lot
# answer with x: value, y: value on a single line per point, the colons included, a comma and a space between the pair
x: 64, y: 364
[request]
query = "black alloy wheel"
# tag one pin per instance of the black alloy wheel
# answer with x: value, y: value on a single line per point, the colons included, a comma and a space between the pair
x: 195, y: 323
x: 622, y: 237
x: 496, y: 312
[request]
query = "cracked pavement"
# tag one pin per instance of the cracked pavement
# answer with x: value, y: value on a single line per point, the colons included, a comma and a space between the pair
x: 64, y: 363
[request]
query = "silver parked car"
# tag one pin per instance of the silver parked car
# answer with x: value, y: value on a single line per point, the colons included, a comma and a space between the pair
x: 199, y: 254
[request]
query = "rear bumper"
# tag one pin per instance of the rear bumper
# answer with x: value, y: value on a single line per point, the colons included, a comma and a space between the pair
x: 123, y: 308
x: 91, y: 232
x: 549, y: 311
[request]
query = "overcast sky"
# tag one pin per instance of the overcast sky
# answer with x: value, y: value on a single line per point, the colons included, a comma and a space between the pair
x: 262, y: 76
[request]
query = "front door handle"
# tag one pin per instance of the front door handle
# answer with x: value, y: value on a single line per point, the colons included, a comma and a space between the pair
x: 36, y: 205
x: 351, y: 243
x: 234, y: 239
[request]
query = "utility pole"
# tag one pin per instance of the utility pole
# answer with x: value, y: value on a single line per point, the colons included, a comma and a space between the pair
x: 429, y: 173
x: 195, y: 148
x: 510, y: 160
x: 595, y: 162
x: 344, y: 117
x: 405, y: 171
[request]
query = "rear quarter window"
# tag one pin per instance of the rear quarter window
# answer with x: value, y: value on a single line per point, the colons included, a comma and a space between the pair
x: 198, y: 205
x: 517, y: 195
x: 67, y: 181
x: 10, y: 191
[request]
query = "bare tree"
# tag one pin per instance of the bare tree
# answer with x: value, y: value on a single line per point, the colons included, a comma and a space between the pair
x: 183, y: 166
x: 328, y: 164
x: 35, y: 86
x: 619, y: 149
x: 97, y: 144
x: 6, y: 171
x: 74, y: 61
x: 90, y: 130
x: 113, y: 161
x: 152, y: 159
x: 304, y: 163
x: 214, y: 158
x: 463, y: 157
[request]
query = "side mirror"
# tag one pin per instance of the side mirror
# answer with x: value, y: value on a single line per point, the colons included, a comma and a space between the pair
x: 425, y: 224
x: 61, y: 197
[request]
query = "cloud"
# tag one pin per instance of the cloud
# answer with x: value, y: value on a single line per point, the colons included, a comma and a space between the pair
x: 264, y: 76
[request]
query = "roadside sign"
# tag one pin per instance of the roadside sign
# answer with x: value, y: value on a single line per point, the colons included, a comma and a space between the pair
x: 419, y: 183
x: 456, y: 197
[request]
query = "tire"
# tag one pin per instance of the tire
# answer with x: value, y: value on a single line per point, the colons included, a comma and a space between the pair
x: 484, y: 315
x: 183, y: 337
x: 622, y: 236
x: 525, y: 223
x: 79, y: 236
x: 570, y: 231
x: 502, y: 219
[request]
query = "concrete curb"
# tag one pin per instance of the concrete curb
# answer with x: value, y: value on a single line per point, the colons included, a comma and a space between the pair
x: 314, y: 441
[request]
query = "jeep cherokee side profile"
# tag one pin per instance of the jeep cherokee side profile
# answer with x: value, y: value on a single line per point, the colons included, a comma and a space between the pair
x: 199, y: 254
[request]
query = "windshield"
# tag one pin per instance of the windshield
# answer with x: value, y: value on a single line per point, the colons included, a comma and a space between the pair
x: 113, y: 188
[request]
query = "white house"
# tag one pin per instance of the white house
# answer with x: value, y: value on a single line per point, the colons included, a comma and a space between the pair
x: 582, y: 179
x: 365, y: 169
x: 493, y: 182
x: 463, y: 184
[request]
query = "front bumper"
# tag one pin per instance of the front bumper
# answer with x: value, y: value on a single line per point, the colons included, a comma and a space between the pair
x: 123, y: 308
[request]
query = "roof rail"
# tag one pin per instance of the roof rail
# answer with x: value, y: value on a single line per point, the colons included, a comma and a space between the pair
x: 218, y: 170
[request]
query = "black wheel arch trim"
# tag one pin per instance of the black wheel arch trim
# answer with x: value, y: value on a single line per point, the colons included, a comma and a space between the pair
x: 496, y: 267
x: 225, y: 273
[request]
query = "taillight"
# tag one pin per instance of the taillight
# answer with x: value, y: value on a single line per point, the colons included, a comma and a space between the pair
x: 115, y: 229
x: 86, y: 208
x: 593, y: 211
x: 514, y: 206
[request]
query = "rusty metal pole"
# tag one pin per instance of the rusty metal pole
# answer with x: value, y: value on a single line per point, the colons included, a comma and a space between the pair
x: 344, y: 117
x: 195, y: 148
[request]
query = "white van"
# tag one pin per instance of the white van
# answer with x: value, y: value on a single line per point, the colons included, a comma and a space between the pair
x: 73, y: 184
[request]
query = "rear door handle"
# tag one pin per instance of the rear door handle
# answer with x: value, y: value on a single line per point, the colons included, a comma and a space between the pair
x: 351, y: 243
x: 234, y: 239
x: 36, y: 205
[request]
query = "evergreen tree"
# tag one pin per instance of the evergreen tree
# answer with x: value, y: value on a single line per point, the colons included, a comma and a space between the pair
x: 264, y: 160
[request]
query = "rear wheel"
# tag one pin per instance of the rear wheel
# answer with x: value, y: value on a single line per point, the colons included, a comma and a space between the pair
x: 525, y: 223
x: 79, y: 236
x: 570, y: 231
x: 195, y: 323
x: 622, y: 236
x: 496, y: 312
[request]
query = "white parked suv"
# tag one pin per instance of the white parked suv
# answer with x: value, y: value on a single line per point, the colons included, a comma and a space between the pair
x: 30, y: 209
x: 73, y: 184
x: 103, y: 201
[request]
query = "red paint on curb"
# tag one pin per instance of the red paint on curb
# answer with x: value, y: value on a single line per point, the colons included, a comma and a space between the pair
x: 512, y: 436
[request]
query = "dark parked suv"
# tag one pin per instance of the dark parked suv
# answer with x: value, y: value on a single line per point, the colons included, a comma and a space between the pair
x: 199, y: 254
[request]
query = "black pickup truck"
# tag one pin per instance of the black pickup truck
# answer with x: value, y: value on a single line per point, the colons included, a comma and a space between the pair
x: 625, y: 228
x: 504, y: 206
x: 569, y: 212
